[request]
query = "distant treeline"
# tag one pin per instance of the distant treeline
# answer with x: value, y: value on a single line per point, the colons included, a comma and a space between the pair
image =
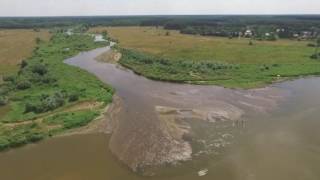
x: 227, y: 25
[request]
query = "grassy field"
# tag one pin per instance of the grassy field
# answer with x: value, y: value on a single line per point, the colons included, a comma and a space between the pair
x: 243, y: 65
x: 16, y: 45
x: 47, y: 96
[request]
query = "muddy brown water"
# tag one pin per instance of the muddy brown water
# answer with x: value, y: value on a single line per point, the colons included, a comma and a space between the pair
x: 263, y: 134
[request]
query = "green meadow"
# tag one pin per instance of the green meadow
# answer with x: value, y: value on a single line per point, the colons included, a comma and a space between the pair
x: 171, y: 56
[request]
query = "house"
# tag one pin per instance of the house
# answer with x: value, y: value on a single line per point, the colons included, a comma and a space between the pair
x: 306, y: 34
x: 295, y: 35
x: 248, y: 33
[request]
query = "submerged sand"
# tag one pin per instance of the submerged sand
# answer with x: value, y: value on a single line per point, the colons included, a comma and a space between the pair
x: 152, y: 123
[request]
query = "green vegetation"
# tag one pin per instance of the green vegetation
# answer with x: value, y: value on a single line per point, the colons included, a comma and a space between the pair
x: 70, y: 120
x: 212, y: 60
x: 17, y: 45
x: 316, y: 46
x: 20, y: 135
x: 41, y: 95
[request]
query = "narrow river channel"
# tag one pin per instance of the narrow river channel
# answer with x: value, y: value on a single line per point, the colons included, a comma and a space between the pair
x: 184, y: 132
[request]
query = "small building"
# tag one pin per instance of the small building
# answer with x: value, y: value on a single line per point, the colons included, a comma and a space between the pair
x: 248, y: 33
x: 306, y: 34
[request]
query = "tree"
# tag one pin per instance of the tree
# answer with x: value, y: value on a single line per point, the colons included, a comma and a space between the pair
x: 24, y: 84
x: 38, y: 40
x: 250, y: 42
x: 3, y: 100
x: 23, y: 64
x: 317, y: 47
x: 40, y: 69
x: 105, y: 34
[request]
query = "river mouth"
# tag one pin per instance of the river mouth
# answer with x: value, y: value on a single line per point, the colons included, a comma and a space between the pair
x: 175, y: 131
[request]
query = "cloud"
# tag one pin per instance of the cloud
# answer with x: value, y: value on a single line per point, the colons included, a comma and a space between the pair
x: 155, y: 7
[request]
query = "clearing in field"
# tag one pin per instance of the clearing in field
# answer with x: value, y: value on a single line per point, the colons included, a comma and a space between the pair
x: 171, y: 56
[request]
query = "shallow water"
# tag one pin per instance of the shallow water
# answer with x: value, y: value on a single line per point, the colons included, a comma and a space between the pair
x: 277, y: 137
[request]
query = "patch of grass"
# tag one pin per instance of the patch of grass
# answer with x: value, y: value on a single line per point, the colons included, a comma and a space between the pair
x: 70, y: 120
x: 194, y: 59
x: 20, y: 135
x: 44, y: 87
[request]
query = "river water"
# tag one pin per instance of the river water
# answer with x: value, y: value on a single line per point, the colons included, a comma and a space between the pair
x: 263, y: 134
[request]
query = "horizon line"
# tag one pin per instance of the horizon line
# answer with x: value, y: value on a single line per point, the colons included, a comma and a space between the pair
x: 140, y: 15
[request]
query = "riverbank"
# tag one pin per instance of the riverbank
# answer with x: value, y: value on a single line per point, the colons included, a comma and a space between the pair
x: 105, y: 123
x: 48, y: 97
x: 163, y: 123
x: 231, y: 63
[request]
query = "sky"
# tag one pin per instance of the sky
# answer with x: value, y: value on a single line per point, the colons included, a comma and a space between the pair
x: 155, y: 7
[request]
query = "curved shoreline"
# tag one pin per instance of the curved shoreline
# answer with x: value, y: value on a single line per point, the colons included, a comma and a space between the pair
x: 153, y: 122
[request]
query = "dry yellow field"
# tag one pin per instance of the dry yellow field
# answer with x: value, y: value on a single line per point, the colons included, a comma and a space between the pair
x: 191, y: 47
x: 16, y: 45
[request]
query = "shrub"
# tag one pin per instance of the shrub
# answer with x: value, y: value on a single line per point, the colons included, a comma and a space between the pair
x: 30, y: 107
x: 51, y: 103
x: 35, y: 137
x: 3, y: 100
x: 315, y: 56
x: 38, y: 40
x: 4, y: 90
x: 8, y: 78
x: 73, y: 97
x: 22, y: 85
x: 4, y: 143
x: 311, y: 45
x: 39, y: 69
x: 46, y: 103
x: 48, y: 80
x: 72, y: 119
x: 23, y: 64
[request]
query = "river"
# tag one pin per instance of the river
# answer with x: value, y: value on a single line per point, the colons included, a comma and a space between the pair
x: 178, y: 131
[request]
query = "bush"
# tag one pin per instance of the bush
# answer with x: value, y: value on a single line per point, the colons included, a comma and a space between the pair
x: 9, y: 78
x: 311, y: 45
x: 39, y: 69
x: 4, y: 90
x: 45, y: 104
x: 315, y: 56
x: 23, y: 64
x: 48, y: 80
x: 3, y: 100
x: 72, y: 119
x: 4, y: 143
x: 35, y: 137
x: 22, y: 85
x: 30, y: 107
x: 38, y: 40
x: 73, y: 97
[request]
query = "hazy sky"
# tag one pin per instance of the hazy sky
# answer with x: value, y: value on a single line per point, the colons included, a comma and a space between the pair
x: 155, y: 7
